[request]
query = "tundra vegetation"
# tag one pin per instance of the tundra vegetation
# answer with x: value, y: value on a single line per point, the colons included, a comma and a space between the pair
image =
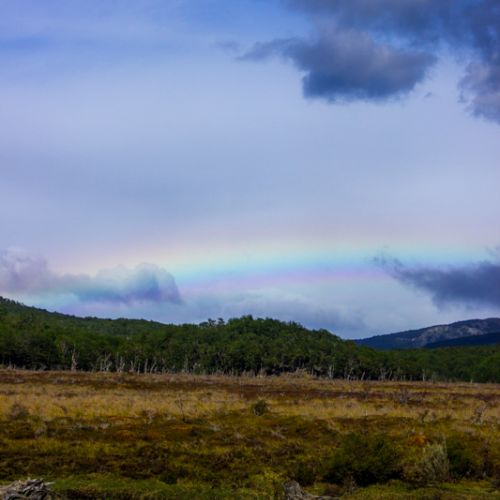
x: 128, y: 435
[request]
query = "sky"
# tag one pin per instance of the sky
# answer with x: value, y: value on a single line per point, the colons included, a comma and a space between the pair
x: 330, y: 162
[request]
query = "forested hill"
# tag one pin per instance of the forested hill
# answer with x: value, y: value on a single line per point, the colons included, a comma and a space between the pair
x: 36, y: 339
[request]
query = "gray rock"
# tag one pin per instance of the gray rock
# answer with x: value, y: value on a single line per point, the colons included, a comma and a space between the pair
x: 34, y: 489
x: 293, y: 491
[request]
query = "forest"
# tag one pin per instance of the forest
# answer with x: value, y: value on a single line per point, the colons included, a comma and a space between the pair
x: 33, y: 338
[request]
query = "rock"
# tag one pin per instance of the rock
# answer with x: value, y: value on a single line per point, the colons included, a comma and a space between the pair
x: 35, y: 489
x: 293, y: 491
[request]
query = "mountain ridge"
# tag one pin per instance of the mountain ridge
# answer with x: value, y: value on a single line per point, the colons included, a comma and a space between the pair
x: 410, y: 339
x: 475, y: 340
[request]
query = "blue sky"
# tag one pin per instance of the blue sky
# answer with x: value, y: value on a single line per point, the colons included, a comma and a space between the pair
x: 330, y: 162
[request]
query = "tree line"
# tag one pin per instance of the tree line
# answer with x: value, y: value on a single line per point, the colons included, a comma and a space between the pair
x: 32, y: 338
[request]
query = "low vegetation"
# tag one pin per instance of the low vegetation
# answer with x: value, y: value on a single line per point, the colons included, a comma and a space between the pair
x: 127, y: 435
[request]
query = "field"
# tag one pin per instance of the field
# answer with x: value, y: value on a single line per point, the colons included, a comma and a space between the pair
x: 120, y: 435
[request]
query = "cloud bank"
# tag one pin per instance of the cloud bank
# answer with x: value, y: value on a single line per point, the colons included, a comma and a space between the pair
x: 21, y: 273
x: 148, y: 291
x: 477, y: 284
x: 381, y: 49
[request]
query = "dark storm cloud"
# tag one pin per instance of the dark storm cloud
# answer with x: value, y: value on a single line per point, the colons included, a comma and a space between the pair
x: 21, y: 273
x: 347, y: 65
x: 376, y: 49
x: 410, y: 18
x: 481, y: 87
x: 474, y: 284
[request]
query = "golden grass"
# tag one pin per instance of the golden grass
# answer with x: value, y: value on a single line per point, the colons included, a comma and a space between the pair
x: 93, y: 395
x: 185, y: 431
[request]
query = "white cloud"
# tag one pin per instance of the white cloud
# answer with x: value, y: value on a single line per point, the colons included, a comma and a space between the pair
x: 25, y: 274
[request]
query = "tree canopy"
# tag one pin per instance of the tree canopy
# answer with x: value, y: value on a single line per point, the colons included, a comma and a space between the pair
x: 37, y: 339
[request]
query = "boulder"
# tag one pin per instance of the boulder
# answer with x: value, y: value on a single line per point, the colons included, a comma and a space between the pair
x: 34, y: 489
x: 293, y: 491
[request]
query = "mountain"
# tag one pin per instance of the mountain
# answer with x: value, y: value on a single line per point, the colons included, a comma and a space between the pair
x: 433, y: 334
x: 474, y: 340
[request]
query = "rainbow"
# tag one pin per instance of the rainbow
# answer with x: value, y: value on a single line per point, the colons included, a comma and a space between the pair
x: 236, y: 265
x: 266, y: 267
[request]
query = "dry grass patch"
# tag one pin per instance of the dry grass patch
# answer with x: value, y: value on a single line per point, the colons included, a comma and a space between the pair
x: 244, y: 435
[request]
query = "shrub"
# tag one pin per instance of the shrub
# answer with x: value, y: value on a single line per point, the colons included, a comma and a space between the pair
x: 260, y: 407
x: 462, y: 459
x: 304, y: 472
x: 428, y: 467
x: 169, y: 476
x: 364, y: 458
x: 18, y: 411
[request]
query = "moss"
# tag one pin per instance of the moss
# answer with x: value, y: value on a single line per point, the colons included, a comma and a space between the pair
x: 117, y: 488
x: 448, y: 491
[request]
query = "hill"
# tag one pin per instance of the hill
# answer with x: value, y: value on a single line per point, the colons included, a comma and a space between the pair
x: 438, y: 333
x: 475, y: 340
x: 33, y: 338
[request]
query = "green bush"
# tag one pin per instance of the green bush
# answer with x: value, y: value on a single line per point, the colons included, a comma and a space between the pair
x: 464, y: 462
x: 304, y: 472
x: 18, y: 412
x: 168, y: 477
x: 260, y: 407
x: 365, y: 459
x: 428, y: 467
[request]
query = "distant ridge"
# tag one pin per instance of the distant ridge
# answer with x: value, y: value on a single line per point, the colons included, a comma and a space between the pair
x: 475, y: 340
x: 424, y: 337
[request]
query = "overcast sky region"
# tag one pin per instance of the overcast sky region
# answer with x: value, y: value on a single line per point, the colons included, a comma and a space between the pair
x: 331, y: 162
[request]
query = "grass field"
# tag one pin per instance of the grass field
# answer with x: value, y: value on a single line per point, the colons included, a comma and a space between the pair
x: 118, y: 435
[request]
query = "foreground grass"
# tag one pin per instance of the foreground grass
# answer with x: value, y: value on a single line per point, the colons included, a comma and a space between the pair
x: 182, y: 436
